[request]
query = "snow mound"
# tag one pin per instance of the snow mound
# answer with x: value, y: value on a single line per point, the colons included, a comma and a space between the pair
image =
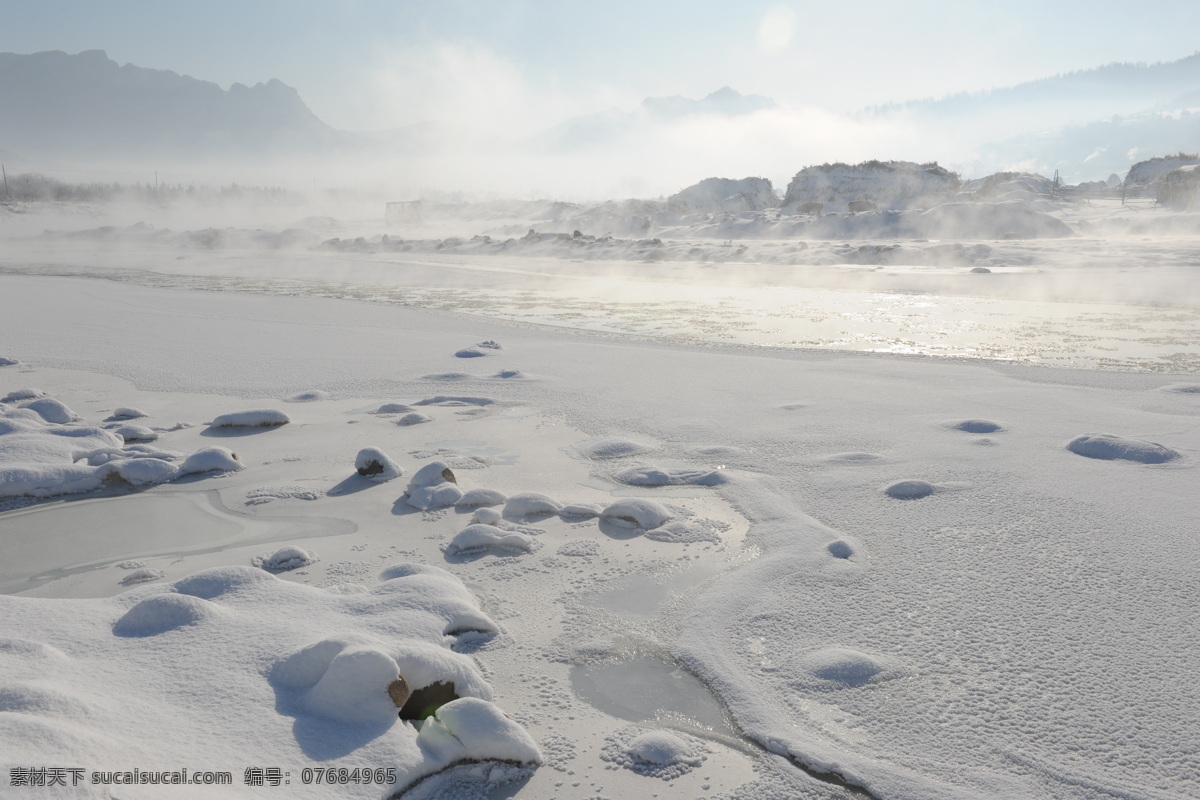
x: 413, y: 418
x: 909, y: 490
x: 1182, y: 388
x: 488, y: 348
x: 613, y: 447
x: 655, y: 753
x: 839, y: 548
x: 975, y: 426
x: 125, y: 412
x: 724, y: 195
x: 145, y: 471
x: 432, y: 474
x: 466, y: 727
x: 211, y: 459
x: 8, y: 362
x: 455, y: 400
x: 524, y: 505
x: 433, y: 486
x: 844, y: 667
x: 681, y: 476
x: 853, y: 458
x: 573, y: 511
x: 488, y: 516
x: 208, y: 584
x: 39, y: 458
x: 310, y: 396
x: 135, y: 433
x: 266, y: 666
x: 17, y: 395
x: 1108, y: 447
x: 51, y: 410
x: 374, y: 464
x: 392, y: 408
x: 888, y: 185
x: 478, y: 537
x: 353, y: 687
x: 636, y: 512
x: 284, y: 559
x: 255, y: 418
x: 143, y: 575
x: 160, y: 613
x: 479, y: 498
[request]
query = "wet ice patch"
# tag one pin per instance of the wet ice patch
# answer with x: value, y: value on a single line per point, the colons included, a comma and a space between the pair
x: 254, y: 418
x: 1107, y: 447
x: 285, y: 558
x: 655, y: 753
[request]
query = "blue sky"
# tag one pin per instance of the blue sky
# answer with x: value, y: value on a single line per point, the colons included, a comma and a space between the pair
x: 364, y: 64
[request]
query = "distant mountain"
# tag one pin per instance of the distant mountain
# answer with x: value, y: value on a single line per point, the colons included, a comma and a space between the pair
x: 609, y: 127
x: 1073, y: 97
x: 87, y: 106
x: 1095, y: 150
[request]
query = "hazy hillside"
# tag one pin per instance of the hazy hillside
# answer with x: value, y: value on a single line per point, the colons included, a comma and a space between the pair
x: 1073, y: 97
x: 87, y: 105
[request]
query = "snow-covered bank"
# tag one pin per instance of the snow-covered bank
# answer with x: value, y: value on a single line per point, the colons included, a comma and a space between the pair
x: 1006, y: 621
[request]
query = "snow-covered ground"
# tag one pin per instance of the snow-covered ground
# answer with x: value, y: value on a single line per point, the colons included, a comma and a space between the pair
x: 665, y: 524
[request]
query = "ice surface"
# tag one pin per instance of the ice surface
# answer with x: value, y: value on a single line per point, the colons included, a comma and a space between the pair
x: 1010, y: 635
